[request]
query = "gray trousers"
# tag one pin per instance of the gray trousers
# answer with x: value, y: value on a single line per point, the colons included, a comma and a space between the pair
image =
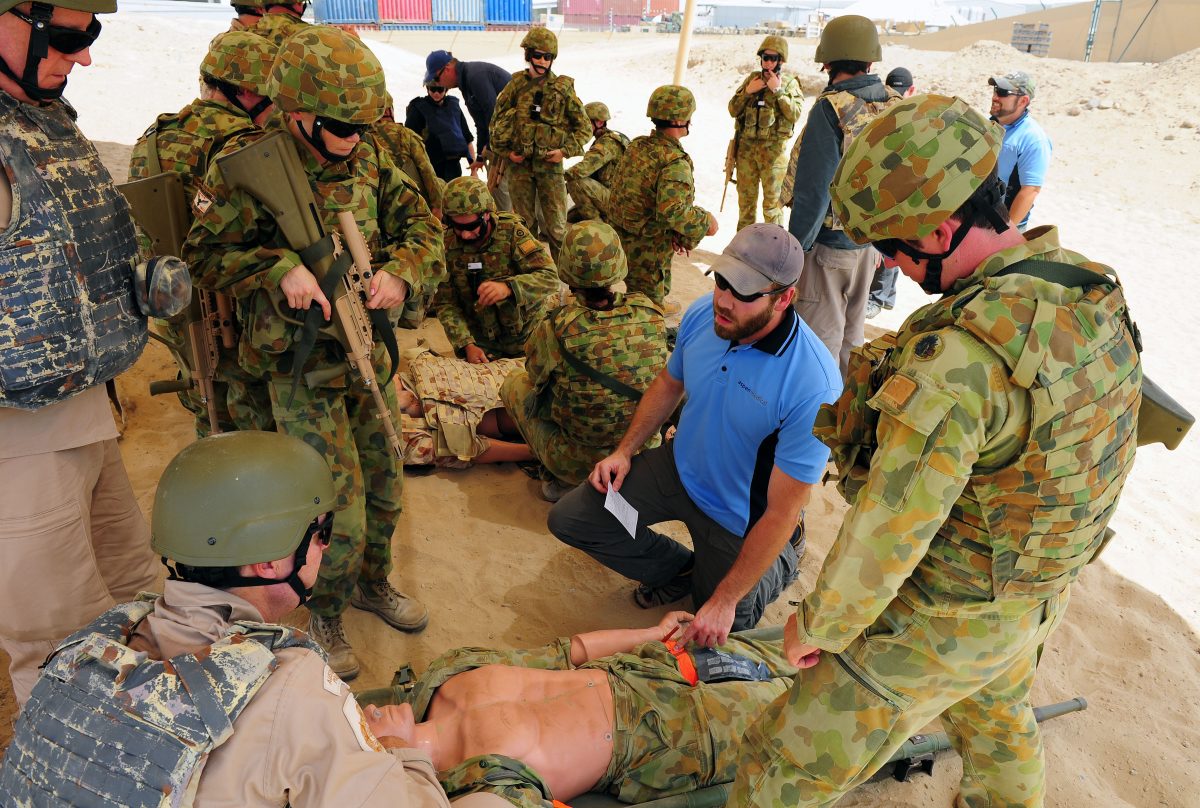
x: 653, y: 487
x: 831, y: 296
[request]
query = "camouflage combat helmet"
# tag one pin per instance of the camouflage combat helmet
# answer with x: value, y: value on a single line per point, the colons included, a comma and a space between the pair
x: 849, y: 38
x: 542, y: 39
x: 912, y: 167
x: 591, y: 256
x: 466, y: 195
x: 239, y: 498
x: 774, y: 42
x: 324, y: 70
x: 671, y: 102
x: 597, y: 111
x: 240, y: 58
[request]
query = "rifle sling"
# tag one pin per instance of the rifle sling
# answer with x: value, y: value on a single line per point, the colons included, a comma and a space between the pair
x: 615, y: 385
x: 313, y: 318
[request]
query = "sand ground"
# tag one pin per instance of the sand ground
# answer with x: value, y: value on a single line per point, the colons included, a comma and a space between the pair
x: 473, y: 546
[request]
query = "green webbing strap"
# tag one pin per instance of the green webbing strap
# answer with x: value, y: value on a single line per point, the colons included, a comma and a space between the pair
x: 313, y: 317
x: 1068, y: 275
x: 384, y: 330
x: 615, y: 385
x: 152, y: 154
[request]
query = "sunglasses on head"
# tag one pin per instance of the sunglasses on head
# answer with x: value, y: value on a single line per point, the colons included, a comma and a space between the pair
x: 769, y: 57
x: 725, y: 286
x: 467, y: 227
x: 537, y: 54
x: 63, y: 40
x: 435, y: 89
x: 341, y: 129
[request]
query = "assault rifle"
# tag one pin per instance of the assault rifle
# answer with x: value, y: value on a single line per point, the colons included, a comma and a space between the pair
x: 161, y: 210
x: 495, y: 170
x: 731, y: 154
x: 269, y: 170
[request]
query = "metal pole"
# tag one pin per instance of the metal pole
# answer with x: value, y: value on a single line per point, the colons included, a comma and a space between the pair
x: 1091, y: 37
x: 685, y: 41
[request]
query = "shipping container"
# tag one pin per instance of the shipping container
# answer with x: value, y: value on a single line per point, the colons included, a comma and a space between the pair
x: 412, y: 12
x: 600, y: 22
x: 458, y: 14
x: 508, y: 12
x: 342, y: 12
x: 569, y: 7
x: 624, y: 9
x: 665, y: 7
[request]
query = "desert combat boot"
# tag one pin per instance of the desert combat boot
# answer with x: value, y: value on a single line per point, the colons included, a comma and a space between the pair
x: 330, y: 635
x: 396, y: 608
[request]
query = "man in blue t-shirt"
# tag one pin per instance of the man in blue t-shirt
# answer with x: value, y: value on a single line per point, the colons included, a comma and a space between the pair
x: 743, y: 462
x: 1025, y: 155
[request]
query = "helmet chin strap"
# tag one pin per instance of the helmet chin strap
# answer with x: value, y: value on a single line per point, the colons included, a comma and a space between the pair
x: 317, y: 142
x: 39, y: 48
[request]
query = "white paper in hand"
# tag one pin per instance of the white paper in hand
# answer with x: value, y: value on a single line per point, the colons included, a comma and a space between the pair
x: 619, y: 507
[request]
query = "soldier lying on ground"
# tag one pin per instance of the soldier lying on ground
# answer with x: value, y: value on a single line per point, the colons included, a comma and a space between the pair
x: 625, y: 712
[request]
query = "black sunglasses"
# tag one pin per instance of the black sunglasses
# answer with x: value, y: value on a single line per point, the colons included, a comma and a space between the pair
x: 435, y: 89
x: 1000, y: 92
x: 341, y: 129
x: 537, y: 54
x: 769, y: 57
x: 725, y: 286
x: 467, y: 227
x: 63, y: 40
x: 889, y: 247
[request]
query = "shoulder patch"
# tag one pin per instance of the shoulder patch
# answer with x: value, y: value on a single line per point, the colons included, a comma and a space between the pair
x: 928, y: 347
x: 529, y: 246
x: 331, y: 681
x: 358, y: 725
x: 202, y: 202
x: 897, y: 391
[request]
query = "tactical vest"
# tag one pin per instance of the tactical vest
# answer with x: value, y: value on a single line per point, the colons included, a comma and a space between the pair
x: 627, y: 343
x: 538, y: 118
x: 68, y: 316
x: 633, y: 199
x: 853, y: 115
x: 1026, y: 529
x: 607, y: 173
x: 759, y: 120
x: 107, y: 726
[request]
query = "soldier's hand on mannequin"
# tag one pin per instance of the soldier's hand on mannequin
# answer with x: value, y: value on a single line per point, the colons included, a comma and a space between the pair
x: 553, y: 156
x: 712, y: 624
x: 490, y: 293
x: 799, y: 654
x: 475, y: 354
x: 386, y: 291
x: 301, y: 289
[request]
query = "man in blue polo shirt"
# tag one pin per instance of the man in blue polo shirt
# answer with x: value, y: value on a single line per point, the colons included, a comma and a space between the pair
x: 1025, y: 155
x: 743, y: 462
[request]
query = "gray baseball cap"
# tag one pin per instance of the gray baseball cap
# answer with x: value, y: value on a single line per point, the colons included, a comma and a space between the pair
x: 1017, y: 81
x: 758, y: 256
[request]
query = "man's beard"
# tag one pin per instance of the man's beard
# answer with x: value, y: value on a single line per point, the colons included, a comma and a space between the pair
x: 740, y: 328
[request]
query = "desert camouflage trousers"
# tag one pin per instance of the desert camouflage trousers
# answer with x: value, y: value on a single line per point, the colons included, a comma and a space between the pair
x: 846, y: 716
x: 340, y: 423
x: 590, y: 198
x: 539, y: 196
x: 649, y: 257
x: 760, y: 163
x: 551, y: 443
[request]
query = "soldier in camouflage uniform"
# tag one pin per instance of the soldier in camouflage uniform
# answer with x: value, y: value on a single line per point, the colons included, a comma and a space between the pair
x: 666, y: 727
x: 233, y: 99
x: 651, y: 203
x: 74, y: 300
x: 539, y: 121
x: 569, y: 417
x: 271, y: 20
x: 589, y: 180
x: 407, y: 151
x: 832, y: 296
x: 329, y: 89
x: 982, y: 450
x: 765, y: 107
x: 191, y: 692
x: 500, y: 277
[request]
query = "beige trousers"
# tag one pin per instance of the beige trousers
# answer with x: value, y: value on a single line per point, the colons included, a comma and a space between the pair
x: 832, y: 296
x: 73, y: 543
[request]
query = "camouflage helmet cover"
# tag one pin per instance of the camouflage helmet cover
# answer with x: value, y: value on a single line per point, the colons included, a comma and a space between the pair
x: 596, y: 111
x: 466, y: 195
x: 912, y: 167
x: 239, y: 498
x: 591, y: 256
x: 325, y: 70
x: 542, y: 39
x: 241, y: 58
x: 671, y: 102
x: 849, y: 37
x: 94, y: 6
x: 774, y: 42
